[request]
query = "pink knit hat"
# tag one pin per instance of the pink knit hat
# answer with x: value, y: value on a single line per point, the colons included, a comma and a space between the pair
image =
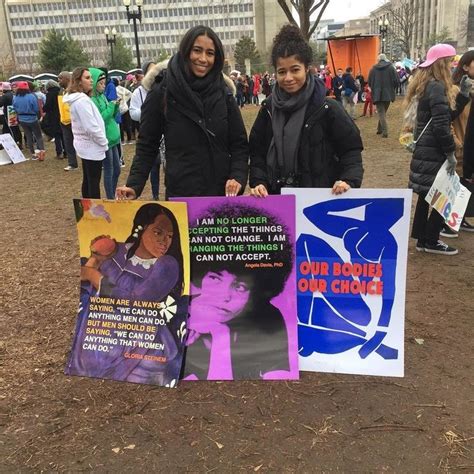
x: 436, y: 52
x: 6, y: 86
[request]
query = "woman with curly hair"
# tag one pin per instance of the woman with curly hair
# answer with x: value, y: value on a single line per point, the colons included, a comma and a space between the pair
x: 438, y: 104
x: 301, y: 138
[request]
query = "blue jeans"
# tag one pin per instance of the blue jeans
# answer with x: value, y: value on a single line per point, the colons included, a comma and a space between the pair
x: 111, y: 171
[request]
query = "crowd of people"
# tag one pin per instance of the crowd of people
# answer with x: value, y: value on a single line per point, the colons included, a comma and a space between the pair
x: 304, y: 135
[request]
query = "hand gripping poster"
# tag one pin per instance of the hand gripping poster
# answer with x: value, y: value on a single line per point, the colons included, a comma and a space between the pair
x: 131, y: 324
x: 351, y: 277
x: 242, y: 312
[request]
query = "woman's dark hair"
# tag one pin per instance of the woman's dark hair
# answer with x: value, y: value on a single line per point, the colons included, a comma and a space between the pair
x: 22, y: 92
x: 267, y: 282
x: 290, y: 42
x: 187, y: 43
x: 466, y: 60
x: 145, y: 216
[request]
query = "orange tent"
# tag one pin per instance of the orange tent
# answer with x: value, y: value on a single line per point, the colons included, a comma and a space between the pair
x: 359, y: 52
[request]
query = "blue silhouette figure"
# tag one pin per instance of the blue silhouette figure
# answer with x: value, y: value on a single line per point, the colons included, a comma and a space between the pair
x: 337, y: 322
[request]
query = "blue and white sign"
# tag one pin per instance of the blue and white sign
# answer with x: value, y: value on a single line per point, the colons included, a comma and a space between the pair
x: 351, y: 276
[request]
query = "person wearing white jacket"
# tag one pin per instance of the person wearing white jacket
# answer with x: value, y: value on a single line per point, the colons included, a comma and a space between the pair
x: 88, y: 129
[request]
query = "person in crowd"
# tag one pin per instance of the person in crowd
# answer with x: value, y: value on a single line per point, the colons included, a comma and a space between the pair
x: 328, y: 81
x: 464, y: 134
x: 360, y: 81
x: 368, y: 104
x: 240, y: 93
x: 151, y: 71
x: 88, y: 128
x: 3, y: 120
x: 27, y: 109
x: 338, y: 85
x: 35, y: 88
x: 51, y: 123
x: 10, y: 121
x: 256, y: 89
x: 193, y: 106
x: 147, y: 266
x: 266, y: 88
x: 64, y: 79
x: 136, y: 83
x: 383, y: 81
x: 125, y: 97
x: 301, y: 138
x: 438, y: 104
x: 249, y: 90
x: 349, y: 92
x: 108, y: 110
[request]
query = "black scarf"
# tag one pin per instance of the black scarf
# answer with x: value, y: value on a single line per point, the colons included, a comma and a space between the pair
x: 196, y: 94
x: 288, y: 113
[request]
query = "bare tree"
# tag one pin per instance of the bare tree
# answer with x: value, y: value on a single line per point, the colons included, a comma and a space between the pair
x: 305, y: 10
x: 403, y: 16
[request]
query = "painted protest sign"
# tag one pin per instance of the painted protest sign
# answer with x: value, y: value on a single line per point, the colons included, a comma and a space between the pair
x: 449, y: 197
x: 351, y: 276
x: 131, y: 324
x: 242, y: 316
x: 10, y: 148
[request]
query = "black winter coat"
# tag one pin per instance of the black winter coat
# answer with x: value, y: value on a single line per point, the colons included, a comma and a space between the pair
x: 330, y: 147
x: 202, y: 153
x: 437, y: 140
x: 51, y: 123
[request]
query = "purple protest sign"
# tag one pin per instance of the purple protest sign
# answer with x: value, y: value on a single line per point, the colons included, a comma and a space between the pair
x: 242, y: 316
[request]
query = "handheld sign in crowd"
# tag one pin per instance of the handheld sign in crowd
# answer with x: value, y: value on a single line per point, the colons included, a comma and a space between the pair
x: 259, y: 301
x: 449, y: 197
x: 131, y: 324
x: 351, y: 256
x: 242, y: 314
x: 10, y: 153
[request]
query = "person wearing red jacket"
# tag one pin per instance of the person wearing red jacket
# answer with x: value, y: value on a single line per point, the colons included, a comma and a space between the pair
x: 368, y: 101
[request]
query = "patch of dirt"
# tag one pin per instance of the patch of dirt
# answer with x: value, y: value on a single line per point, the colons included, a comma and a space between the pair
x: 50, y: 422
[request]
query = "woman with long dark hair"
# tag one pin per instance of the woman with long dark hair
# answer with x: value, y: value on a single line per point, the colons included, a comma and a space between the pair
x: 192, y: 105
x: 301, y: 138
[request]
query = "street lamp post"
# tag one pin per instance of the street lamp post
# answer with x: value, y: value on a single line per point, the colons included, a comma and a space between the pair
x: 383, y: 29
x: 112, y: 41
x: 134, y: 16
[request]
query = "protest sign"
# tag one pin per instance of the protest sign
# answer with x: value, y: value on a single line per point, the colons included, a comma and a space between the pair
x: 351, y: 255
x: 449, y: 197
x: 131, y: 324
x: 11, y: 150
x: 242, y: 313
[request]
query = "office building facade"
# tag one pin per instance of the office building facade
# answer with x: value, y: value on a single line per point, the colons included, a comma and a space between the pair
x: 163, y: 24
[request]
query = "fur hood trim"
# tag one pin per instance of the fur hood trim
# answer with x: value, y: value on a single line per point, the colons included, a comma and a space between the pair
x: 154, y: 71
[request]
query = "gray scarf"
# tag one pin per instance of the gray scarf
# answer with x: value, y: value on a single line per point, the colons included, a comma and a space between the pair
x: 288, y: 113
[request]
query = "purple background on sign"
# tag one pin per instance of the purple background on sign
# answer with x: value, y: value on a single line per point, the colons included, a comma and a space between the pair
x: 283, y: 208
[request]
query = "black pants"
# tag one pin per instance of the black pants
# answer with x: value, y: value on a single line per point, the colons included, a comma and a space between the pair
x: 68, y: 139
x: 91, y: 174
x: 135, y: 127
x: 126, y: 127
x: 426, y: 228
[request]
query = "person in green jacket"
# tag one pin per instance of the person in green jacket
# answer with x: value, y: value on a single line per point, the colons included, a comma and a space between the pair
x: 108, y: 110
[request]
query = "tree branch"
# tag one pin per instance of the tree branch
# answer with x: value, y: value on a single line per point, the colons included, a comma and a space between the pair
x: 318, y: 19
x: 287, y: 12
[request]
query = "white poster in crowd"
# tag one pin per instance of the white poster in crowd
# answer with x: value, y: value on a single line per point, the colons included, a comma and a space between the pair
x: 10, y: 148
x: 351, y: 255
x: 449, y: 197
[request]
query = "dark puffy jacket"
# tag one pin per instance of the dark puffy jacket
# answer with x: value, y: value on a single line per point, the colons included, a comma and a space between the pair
x: 437, y: 140
x: 202, y: 153
x: 330, y: 147
x: 5, y: 100
x: 51, y: 124
x: 383, y: 80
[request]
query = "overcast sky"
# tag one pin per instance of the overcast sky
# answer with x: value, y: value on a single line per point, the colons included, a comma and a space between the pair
x: 343, y: 10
